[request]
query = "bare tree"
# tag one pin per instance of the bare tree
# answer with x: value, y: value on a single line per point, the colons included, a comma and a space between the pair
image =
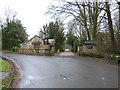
x: 86, y: 13
x: 113, y: 42
x: 10, y: 15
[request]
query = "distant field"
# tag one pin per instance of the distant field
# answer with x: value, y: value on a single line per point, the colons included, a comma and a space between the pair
x: 4, y: 67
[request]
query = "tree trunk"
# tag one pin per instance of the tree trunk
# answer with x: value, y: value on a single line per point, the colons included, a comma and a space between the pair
x: 90, y: 20
x: 85, y: 23
x: 95, y: 14
x: 111, y: 31
x: 119, y: 20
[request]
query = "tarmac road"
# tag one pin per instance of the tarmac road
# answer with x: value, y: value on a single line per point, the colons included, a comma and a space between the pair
x: 63, y: 72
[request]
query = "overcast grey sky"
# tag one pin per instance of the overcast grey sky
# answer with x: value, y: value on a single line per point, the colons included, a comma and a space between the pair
x: 30, y: 12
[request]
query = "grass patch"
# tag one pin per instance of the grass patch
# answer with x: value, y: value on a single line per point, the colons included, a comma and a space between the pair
x: 4, y: 67
x: 6, y: 82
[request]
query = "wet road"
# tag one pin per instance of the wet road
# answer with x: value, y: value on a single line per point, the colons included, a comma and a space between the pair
x: 61, y: 72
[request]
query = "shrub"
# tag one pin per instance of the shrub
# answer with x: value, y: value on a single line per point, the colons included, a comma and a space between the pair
x: 15, y: 49
x: 83, y: 54
x: 91, y: 54
x: 48, y: 52
x: 113, y: 56
x: 37, y: 50
x: 99, y: 55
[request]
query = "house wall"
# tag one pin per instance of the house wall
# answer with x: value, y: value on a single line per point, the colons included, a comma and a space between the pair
x: 31, y: 46
x: 85, y: 49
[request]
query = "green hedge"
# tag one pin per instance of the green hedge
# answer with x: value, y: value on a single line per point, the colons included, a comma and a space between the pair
x: 99, y: 55
x: 15, y: 49
x: 83, y: 54
x: 91, y: 54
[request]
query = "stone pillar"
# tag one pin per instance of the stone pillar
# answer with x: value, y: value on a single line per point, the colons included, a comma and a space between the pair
x: 53, y: 50
x: 84, y: 48
x: 94, y: 48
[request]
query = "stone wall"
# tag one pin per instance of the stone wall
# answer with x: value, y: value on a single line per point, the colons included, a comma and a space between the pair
x: 84, y: 48
x: 30, y: 51
x: 33, y: 51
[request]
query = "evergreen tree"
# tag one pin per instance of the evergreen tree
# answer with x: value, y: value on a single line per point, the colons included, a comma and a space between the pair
x: 13, y: 33
x: 55, y: 31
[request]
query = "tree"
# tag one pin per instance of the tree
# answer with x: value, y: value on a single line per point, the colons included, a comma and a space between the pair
x: 13, y: 33
x: 118, y: 2
x: 70, y: 38
x: 55, y: 31
x: 86, y: 13
x: 75, y: 45
x: 118, y: 27
x: 111, y: 31
x: 45, y: 31
x: 0, y: 34
x: 92, y: 20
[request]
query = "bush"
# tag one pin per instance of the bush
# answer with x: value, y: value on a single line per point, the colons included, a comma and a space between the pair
x: 91, y: 54
x: 48, y: 52
x: 83, y: 54
x: 15, y: 49
x: 37, y: 50
x: 99, y: 55
x: 113, y: 56
x: 12, y: 49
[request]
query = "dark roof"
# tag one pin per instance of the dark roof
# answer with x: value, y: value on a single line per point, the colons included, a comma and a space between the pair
x: 34, y: 37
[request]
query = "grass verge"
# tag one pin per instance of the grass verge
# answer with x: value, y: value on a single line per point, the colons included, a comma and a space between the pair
x: 6, y: 82
x: 4, y: 66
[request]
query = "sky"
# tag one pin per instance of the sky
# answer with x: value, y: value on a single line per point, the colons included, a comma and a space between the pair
x: 30, y: 12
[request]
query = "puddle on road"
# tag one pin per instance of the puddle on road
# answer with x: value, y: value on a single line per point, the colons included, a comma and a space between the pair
x: 102, y: 78
x: 63, y: 77
x: 28, y: 77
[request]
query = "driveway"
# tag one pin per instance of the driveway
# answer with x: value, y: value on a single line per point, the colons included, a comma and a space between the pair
x: 66, y: 54
x: 63, y: 72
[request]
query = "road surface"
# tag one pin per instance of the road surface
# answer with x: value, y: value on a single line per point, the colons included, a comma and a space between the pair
x: 63, y: 72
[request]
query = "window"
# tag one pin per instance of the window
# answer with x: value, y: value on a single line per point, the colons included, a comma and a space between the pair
x: 35, y: 46
x: 45, y: 42
x: 39, y: 45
